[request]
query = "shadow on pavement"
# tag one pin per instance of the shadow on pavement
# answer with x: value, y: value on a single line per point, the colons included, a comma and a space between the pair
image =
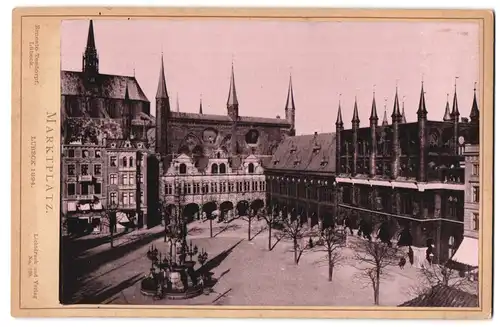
x: 84, y: 243
x: 230, y: 227
x: 256, y: 234
x: 217, y: 260
x: 105, y: 293
x: 73, y: 268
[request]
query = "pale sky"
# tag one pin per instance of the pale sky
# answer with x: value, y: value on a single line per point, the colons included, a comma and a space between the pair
x: 325, y: 59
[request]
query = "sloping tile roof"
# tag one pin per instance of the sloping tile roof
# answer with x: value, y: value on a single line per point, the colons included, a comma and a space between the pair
x: 443, y: 296
x: 314, y: 152
x: 109, y: 86
x: 223, y: 118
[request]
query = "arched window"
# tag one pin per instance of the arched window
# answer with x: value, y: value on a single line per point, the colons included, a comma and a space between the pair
x: 251, y: 168
x: 182, y: 168
x: 451, y: 246
x: 222, y: 168
x: 124, y: 161
x: 215, y: 168
x: 131, y: 162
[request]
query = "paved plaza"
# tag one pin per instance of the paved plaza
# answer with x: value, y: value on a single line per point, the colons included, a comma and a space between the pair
x: 246, y: 272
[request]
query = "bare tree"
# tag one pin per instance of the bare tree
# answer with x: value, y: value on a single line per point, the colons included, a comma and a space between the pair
x: 374, y: 258
x: 251, y: 216
x: 433, y: 275
x: 271, y: 219
x: 294, y: 230
x: 332, y: 241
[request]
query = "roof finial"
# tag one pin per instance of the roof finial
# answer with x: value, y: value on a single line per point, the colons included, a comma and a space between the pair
x: 456, y: 77
x: 374, y: 86
x: 397, y: 82
x: 178, y: 107
x: 475, y: 84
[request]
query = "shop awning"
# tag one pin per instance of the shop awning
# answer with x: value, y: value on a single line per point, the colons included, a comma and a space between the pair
x: 71, y: 206
x: 468, y: 252
x: 97, y: 206
x: 84, y: 207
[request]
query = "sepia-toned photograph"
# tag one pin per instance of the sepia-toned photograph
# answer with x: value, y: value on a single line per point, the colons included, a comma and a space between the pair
x: 254, y: 162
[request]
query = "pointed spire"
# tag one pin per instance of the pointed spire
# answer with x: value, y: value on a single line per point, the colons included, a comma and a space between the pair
x: 177, y: 102
x: 355, y: 114
x: 396, y: 113
x: 232, y: 99
x: 201, y: 106
x: 373, y: 115
x: 454, y: 111
x: 422, y: 109
x: 90, y: 37
x: 161, y: 92
x: 90, y: 60
x: 339, y: 122
x: 385, y: 122
x: 474, y: 112
x: 403, y: 116
x: 447, y: 116
x: 290, y: 103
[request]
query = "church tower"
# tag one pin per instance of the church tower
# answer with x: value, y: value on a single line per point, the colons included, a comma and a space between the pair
x: 90, y: 60
x: 290, y: 108
x: 162, y: 114
x: 233, y: 113
x: 232, y: 99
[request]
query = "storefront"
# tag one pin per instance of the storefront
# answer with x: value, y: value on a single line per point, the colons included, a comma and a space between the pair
x: 467, y: 256
x: 84, y: 217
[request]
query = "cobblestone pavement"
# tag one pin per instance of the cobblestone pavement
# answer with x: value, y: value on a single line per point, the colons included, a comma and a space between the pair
x: 247, y: 273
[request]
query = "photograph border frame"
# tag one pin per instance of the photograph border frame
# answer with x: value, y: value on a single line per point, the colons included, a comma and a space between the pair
x: 485, y: 18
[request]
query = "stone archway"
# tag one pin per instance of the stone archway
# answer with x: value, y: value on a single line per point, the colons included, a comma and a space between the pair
x: 209, y: 209
x: 226, y: 210
x: 257, y: 205
x: 242, y: 207
x: 191, y: 212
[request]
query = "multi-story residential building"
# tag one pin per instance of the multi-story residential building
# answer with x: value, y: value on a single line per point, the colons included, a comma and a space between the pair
x: 83, y: 186
x: 468, y: 251
x: 127, y: 175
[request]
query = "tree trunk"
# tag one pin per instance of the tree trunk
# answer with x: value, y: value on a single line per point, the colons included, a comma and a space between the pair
x: 330, y: 266
x: 111, y: 228
x: 377, y: 288
x: 295, y: 250
x: 269, y: 228
x: 249, y: 227
x: 211, y: 235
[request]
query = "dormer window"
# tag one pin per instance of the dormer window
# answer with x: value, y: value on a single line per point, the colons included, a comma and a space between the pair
x: 324, y: 161
x: 296, y: 162
x: 316, y: 147
x: 293, y: 148
x: 276, y: 162
x: 127, y: 145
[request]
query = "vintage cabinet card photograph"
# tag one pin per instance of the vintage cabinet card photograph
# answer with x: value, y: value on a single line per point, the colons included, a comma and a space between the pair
x: 252, y: 163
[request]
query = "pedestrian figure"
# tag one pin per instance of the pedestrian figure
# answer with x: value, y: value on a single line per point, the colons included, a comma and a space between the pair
x: 410, y: 255
x: 402, y: 262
